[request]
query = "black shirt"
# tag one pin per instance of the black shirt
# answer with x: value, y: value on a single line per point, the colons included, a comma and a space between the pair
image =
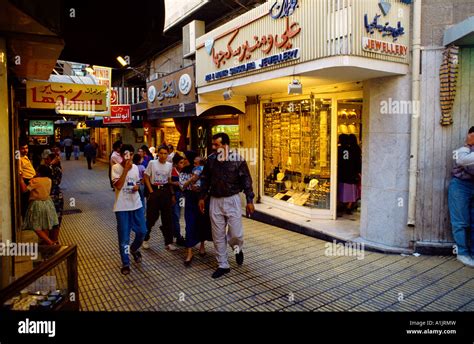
x: 226, y: 178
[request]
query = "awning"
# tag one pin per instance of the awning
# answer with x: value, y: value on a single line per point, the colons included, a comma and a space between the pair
x: 213, y: 104
x: 461, y: 33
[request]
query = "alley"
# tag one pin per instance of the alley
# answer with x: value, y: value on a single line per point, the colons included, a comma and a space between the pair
x: 283, y: 271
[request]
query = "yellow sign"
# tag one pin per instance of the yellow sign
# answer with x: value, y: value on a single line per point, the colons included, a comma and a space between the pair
x: 66, y: 98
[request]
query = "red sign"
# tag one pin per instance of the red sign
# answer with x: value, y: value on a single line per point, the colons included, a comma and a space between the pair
x: 120, y: 114
x: 113, y: 97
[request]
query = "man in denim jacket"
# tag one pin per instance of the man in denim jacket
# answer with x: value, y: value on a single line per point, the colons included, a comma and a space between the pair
x: 461, y: 199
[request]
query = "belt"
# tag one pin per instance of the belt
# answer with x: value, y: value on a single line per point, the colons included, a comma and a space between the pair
x: 159, y: 187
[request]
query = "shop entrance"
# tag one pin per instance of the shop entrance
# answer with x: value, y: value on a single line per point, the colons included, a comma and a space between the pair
x: 349, y: 157
x: 204, y: 128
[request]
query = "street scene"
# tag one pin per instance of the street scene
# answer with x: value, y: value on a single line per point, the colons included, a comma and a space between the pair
x: 237, y: 156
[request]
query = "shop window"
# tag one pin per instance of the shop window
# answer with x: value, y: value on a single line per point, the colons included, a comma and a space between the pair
x: 296, y: 151
x: 230, y: 129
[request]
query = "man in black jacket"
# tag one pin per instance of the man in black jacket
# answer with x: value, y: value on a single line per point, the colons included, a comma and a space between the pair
x: 225, y: 175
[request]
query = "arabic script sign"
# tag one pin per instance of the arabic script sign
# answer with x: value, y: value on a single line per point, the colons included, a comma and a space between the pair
x: 386, y: 29
x: 284, y: 8
x: 41, y: 128
x: 120, y: 114
x: 50, y: 95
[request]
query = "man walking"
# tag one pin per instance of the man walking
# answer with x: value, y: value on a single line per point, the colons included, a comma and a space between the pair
x: 161, y: 198
x: 460, y: 200
x: 128, y: 208
x: 90, y: 153
x: 68, y: 147
x: 225, y: 175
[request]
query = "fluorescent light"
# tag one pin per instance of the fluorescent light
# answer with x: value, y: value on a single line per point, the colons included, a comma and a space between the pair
x: 122, y: 61
x: 90, y: 70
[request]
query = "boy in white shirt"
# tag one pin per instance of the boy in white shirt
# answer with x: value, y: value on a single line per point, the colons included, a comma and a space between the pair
x: 161, y: 197
x: 128, y: 207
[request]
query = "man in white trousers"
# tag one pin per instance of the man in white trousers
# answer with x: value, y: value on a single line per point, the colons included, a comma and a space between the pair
x: 225, y: 175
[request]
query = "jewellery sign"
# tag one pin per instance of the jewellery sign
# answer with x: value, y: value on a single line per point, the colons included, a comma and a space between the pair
x: 276, y: 45
x: 173, y: 89
x: 76, y: 98
x: 384, y: 31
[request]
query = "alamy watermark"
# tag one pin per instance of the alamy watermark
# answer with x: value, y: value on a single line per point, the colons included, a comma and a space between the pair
x: 19, y: 249
x: 250, y: 155
x: 400, y: 107
x: 71, y: 105
x: 348, y: 249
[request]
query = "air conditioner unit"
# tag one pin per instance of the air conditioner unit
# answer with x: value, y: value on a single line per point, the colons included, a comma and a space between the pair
x: 193, y: 30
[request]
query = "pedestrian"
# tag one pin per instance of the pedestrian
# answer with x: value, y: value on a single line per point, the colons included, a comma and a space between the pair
x: 90, y: 154
x: 76, y: 143
x: 146, y: 154
x: 54, y: 162
x: 224, y: 176
x: 37, y: 151
x: 137, y: 160
x: 161, y: 197
x: 460, y: 200
x: 128, y: 208
x: 95, y: 146
x: 178, y: 165
x: 172, y: 153
x: 198, y: 226
x: 41, y: 215
x: 68, y: 147
x: 26, y: 172
x: 114, y: 158
x: 348, y: 173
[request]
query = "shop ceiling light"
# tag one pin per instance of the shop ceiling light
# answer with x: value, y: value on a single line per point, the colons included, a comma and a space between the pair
x: 90, y: 70
x: 228, y: 94
x: 295, y: 87
x: 122, y: 61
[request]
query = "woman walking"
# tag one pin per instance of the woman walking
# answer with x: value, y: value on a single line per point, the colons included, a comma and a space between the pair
x: 54, y: 162
x: 198, y: 225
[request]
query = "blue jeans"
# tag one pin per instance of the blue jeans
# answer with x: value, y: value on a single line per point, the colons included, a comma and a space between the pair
x: 126, y: 221
x: 177, y: 215
x: 461, y: 211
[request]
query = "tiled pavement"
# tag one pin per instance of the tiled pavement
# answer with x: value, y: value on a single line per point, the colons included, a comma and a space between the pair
x: 283, y: 271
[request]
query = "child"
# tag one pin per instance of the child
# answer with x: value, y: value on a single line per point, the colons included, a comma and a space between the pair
x: 41, y: 215
x: 138, y: 161
x: 178, y: 165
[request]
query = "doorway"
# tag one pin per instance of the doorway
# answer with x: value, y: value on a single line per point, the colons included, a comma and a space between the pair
x: 349, y: 159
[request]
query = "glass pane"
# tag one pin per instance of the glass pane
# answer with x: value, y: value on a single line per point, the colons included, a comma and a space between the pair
x: 230, y: 129
x: 297, y: 152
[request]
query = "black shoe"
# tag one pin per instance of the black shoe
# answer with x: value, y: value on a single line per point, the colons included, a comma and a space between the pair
x: 239, y: 257
x: 180, y: 241
x: 188, y: 262
x: 125, y: 270
x: 137, y: 256
x: 220, y: 272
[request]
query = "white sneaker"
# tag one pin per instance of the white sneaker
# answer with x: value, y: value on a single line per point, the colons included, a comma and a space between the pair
x: 146, y: 245
x: 466, y: 260
x: 171, y: 247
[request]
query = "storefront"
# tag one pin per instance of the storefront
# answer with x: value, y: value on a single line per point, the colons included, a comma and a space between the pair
x: 171, y: 105
x: 302, y: 70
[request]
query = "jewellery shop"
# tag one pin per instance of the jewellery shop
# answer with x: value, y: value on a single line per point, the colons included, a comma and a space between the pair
x: 303, y: 80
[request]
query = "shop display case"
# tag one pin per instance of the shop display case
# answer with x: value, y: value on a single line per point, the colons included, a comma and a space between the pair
x: 231, y: 130
x: 296, y: 151
x: 48, y: 283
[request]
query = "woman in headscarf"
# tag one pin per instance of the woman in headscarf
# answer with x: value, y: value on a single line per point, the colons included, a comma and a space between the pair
x: 198, y: 226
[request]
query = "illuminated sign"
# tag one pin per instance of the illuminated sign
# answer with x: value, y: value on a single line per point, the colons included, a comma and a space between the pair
x: 286, y: 56
x: 119, y: 114
x: 41, y: 128
x: 51, y: 95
